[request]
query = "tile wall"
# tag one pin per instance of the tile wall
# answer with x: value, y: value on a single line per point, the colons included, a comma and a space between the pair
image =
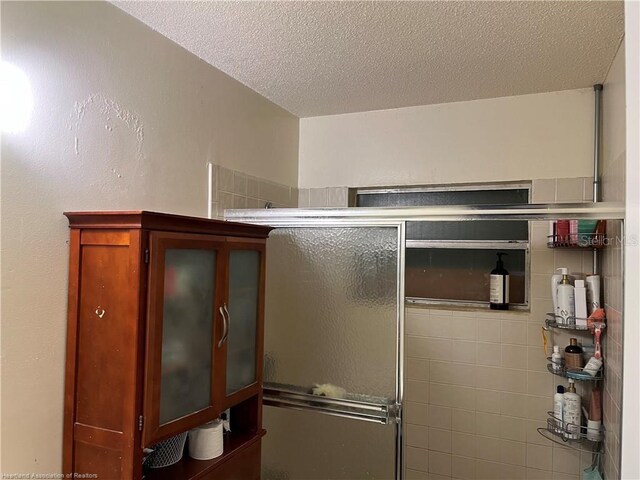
x: 323, y: 197
x: 477, y: 385
x: 613, y: 190
x: 233, y: 190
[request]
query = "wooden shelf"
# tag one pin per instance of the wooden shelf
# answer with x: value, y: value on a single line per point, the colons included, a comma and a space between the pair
x: 191, y: 469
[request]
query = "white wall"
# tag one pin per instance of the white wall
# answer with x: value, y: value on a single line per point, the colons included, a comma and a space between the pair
x: 630, y: 468
x: 123, y: 119
x: 512, y: 138
x: 613, y: 190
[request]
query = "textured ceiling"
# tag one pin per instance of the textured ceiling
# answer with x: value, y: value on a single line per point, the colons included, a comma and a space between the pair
x: 319, y: 58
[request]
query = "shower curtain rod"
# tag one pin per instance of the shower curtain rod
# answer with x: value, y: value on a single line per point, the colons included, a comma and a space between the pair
x: 370, y: 216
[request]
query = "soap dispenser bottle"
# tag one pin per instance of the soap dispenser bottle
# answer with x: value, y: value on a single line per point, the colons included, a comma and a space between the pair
x: 499, y: 286
x: 566, y: 310
x: 572, y: 412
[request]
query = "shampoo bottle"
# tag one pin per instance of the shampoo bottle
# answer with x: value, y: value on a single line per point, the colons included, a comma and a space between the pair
x: 555, y: 281
x: 499, y: 286
x: 558, y: 407
x: 573, y: 355
x: 572, y: 412
x: 593, y: 293
x: 556, y: 359
x: 581, y: 303
x: 566, y: 300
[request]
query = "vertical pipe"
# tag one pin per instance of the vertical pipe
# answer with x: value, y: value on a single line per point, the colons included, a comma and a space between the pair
x: 597, y: 135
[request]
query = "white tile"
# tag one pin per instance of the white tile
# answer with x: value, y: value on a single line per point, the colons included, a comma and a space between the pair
x: 439, y: 417
x: 239, y: 183
x: 440, y: 440
x: 318, y: 197
x: 543, y: 190
x: 417, y: 436
x: 417, y: 459
x: 488, y: 425
x: 338, y: 197
x: 417, y: 391
x: 440, y: 463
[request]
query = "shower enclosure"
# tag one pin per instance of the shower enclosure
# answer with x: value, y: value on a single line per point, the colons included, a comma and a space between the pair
x: 335, y: 315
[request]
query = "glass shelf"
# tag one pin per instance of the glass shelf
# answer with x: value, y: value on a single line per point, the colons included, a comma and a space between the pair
x: 573, y: 373
x: 558, y: 432
x: 552, y: 321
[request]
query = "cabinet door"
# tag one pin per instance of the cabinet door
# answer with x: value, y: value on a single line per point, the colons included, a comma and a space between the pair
x: 186, y: 278
x: 245, y: 300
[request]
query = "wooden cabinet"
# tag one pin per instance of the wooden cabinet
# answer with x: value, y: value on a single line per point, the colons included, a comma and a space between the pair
x: 165, y: 332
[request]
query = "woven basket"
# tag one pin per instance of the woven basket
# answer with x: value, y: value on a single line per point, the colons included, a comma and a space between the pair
x: 167, y: 452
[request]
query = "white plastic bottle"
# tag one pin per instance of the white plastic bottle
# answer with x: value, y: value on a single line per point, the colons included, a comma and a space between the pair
x: 556, y: 359
x: 558, y: 408
x: 572, y: 412
x: 581, y: 303
x: 593, y: 293
x: 566, y: 300
x: 555, y: 281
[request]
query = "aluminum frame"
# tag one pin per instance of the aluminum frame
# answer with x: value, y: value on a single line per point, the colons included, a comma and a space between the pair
x: 321, y: 217
x: 267, y: 218
x: 340, y: 217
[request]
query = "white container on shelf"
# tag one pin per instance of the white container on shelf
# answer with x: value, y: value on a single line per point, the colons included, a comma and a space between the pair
x: 593, y: 293
x: 572, y: 412
x: 580, y: 295
x: 556, y: 359
x: 558, y: 408
x: 566, y: 299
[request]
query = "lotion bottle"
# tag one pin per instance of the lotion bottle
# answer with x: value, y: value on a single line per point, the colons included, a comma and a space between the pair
x: 581, y: 303
x: 566, y: 299
x: 558, y: 408
x: 556, y: 359
x: 573, y: 355
x: 593, y: 293
x: 499, y: 286
x: 555, y: 281
x: 572, y: 412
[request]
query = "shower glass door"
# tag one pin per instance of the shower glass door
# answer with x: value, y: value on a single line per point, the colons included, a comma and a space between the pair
x: 331, y: 352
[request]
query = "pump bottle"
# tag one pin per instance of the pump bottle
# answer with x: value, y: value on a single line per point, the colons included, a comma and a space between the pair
x: 499, y: 286
x: 572, y: 412
x: 566, y: 311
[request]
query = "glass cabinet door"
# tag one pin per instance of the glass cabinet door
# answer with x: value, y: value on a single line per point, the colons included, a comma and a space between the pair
x: 244, y: 293
x: 185, y: 293
x: 187, y: 330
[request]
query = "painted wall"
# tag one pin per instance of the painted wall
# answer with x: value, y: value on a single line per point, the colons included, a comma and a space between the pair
x: 512, y: 138
x: 123, y: 119
x: 630, y: 446
x: 613, y: 190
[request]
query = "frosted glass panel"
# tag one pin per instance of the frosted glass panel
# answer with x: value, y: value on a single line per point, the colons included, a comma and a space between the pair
x: 311, y: 446
x: 331, y: 309
x: 244, y: 282
x: 187, y: 326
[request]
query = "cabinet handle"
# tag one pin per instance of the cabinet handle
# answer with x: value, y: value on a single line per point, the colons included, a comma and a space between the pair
x: 225, y: 323
x: 226, y: 332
